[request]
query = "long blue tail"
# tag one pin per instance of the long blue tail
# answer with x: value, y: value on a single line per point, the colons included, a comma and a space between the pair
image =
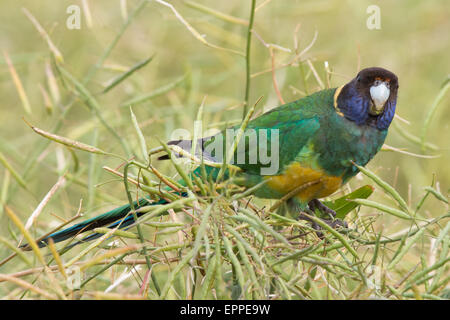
x: 119, y: 216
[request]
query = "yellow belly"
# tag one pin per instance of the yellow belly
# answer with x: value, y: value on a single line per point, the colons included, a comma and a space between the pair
x: 319, y: 184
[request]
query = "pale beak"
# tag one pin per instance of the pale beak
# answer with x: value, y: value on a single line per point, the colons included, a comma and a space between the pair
x: 379, y: 94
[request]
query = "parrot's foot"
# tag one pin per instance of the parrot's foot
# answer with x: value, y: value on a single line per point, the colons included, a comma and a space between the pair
x: 332, y: 222
x: 316, y: 204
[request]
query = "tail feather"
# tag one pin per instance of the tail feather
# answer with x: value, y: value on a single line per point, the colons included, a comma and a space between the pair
x: 110, y: 219
x: 117, y: 217
x: 124, y: 223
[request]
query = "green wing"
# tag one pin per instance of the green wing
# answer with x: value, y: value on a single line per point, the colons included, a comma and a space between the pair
x: 279, y: 134
x: 279, y: 141
x: 296, y: 122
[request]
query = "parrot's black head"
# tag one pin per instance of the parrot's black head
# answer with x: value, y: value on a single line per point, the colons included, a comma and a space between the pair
x: 370, y: 98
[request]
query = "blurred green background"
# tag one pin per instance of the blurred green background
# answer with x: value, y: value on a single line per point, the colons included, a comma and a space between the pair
x: 413, y: 42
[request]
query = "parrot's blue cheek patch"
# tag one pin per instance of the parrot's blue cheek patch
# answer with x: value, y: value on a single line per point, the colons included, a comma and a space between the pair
x: 384, y: 120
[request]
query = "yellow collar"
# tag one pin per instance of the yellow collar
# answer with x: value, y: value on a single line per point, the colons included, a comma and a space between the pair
x: 336, y: 94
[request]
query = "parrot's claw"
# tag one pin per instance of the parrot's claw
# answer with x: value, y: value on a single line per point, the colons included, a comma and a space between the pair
x: 334, y: 222
x: 316, y: 204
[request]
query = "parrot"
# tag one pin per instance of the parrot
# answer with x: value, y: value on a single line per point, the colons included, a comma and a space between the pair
x: 314, y: 143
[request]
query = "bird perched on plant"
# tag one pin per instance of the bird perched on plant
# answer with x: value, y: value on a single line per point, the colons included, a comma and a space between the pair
x: 319, y: 139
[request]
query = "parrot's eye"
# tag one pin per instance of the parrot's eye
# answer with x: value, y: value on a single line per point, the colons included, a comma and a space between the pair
x: 377, y: 82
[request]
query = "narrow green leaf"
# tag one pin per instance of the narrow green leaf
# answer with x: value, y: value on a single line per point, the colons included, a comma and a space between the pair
x: 262, y: 225
x: 141, y: 138
x: 215, y: 13
x: 298, y: 254
x: 386, y: 186
x: 16, y: 250
x: 190, y: 255
x: 155, y: 93
x: 405, y: 249
x: 114, y: 82
x: 336, y: 234
x: 432, y: 111
x: 93, y: 105
x: 179, y: 169
x: 342, y: 206
x: 384, y: 208
x: 437, y: 194
x: 235, y: 261
x: 442, y: 234
x: 119, y: 233
x: 68, y: 142
x: 13, y: 172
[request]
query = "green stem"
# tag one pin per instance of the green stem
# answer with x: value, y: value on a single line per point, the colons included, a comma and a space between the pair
x: 108, y: 50
x: 247, y: 58
x: 138, y: 226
